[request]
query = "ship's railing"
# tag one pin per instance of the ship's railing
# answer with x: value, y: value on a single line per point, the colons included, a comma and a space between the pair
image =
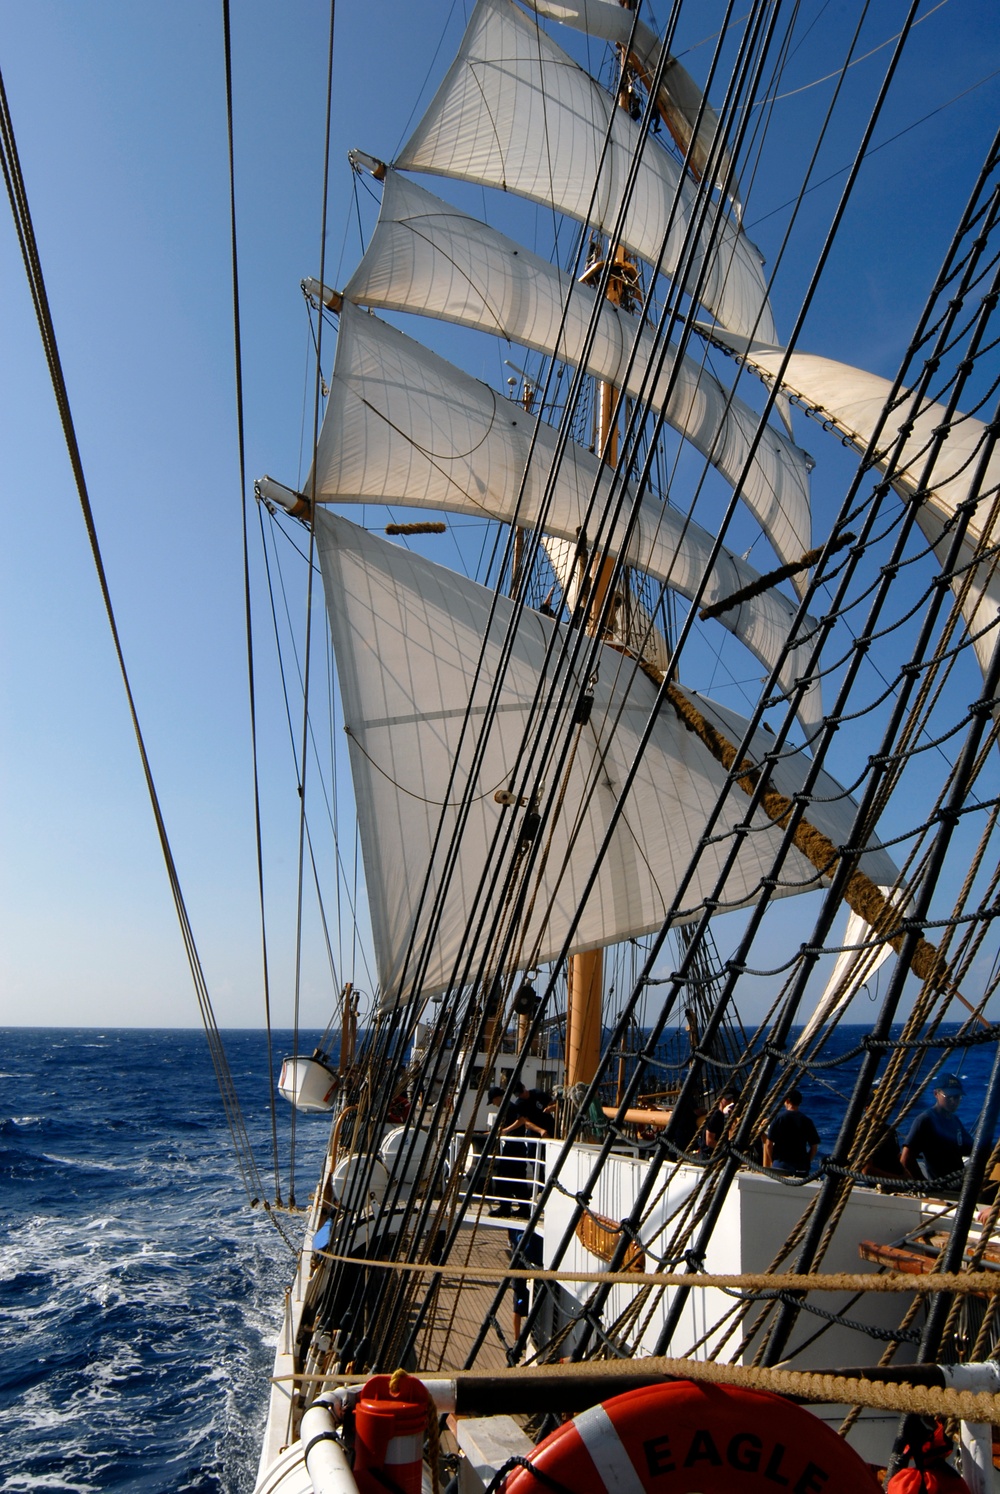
x: 510, y: 1179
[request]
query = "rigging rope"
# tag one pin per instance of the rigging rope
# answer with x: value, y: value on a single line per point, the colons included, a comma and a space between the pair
x: 241, y: 445
x: 539, y: 749
x: 18, y: 198
x: 307, y: 648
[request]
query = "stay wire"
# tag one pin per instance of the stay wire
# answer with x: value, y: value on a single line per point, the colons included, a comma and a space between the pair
x: 17, y: 195
x: 241, y: 442
x: 330, y: 803
x: 586, y: 669
x: 304, y: 758
x: 583, y: 671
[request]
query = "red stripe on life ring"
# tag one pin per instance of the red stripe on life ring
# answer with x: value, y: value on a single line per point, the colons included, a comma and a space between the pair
x: 683, y: 1437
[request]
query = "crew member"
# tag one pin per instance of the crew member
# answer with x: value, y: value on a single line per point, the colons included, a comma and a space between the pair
x: 542, y: 1111
x: 715, y: 1121
x: 937, y: 1141
x: 792, y: 1140
x: 511, y: 1168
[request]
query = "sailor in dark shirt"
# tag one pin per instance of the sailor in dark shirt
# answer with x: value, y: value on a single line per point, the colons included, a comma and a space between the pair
x: 715, y: 1121
x: 937, y: 1140
x: 792, y: 1140
x: 542, y: 1111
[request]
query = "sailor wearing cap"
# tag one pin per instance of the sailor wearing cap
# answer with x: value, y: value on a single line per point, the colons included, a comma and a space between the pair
x: 937, y: 1140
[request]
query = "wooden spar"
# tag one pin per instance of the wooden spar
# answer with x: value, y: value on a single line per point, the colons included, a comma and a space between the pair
x: 585, y: 977
x: 636, y: 1117
x: 585, y: 971
x: 348, y: 1027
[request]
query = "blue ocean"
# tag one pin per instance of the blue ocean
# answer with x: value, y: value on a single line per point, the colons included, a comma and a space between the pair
x: 140, y: 1296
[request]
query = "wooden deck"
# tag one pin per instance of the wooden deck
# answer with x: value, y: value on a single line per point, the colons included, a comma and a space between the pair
x: 463, y: 1302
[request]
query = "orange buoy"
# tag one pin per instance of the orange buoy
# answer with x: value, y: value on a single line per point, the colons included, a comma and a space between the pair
x: 390, y: 1420
x: 682, y: 1435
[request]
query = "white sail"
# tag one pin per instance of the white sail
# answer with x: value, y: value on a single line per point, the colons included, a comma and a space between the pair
x: 853, y: 401
x: 858, y: 962
x: 515, y: 112
x: 407, y: 635
x: 404, y: 426
x: 426, y: 256
x: 680, y: 98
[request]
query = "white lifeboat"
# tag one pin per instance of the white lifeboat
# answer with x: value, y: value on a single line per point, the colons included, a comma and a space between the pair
x: 309, y: 1083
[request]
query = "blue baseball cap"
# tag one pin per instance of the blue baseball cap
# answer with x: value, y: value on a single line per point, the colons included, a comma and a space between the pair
x: 949, y: 1084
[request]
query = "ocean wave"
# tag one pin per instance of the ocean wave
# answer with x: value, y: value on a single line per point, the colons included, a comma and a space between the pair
x: 140, y: 1299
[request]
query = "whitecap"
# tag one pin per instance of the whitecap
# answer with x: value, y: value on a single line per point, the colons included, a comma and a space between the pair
x: 90, y: 1164
x: 49, y: 1481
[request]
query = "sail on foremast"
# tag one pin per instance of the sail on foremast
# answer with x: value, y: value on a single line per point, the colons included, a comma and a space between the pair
x: 404, y: 426
x: 428, y: 257
x: 407, y: 634
x: 689, y: 117
x: 515, y: 112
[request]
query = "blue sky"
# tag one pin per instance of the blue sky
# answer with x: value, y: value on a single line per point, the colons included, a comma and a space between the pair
x: 120, y: 117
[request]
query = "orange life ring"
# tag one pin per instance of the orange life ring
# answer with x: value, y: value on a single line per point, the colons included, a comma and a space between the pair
x: 682, y: 1436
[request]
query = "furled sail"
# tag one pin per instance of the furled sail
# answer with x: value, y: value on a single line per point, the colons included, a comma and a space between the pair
x: 853, y: 401
x: 426, y: 256
x: 407, y: 636
x: 515, y: 112
x: 680, y: 99
x: 404, y: 426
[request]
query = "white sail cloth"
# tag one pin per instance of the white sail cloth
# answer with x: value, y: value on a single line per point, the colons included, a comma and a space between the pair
x: 515, y: 112
x: 853, y: 401
x: 407, y: 636
x: 426, y: 256
x: 858, y: 962
x: 404, y: 426
x: 680, y: 98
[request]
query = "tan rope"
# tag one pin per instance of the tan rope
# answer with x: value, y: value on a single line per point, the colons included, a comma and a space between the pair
x: 828, y: 1388
x: 861, y: 894
x: 981, y: 1283
x: 429, y: 527
x: 780, y: 573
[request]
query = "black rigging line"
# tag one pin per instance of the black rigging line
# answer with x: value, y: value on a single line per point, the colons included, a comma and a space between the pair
x: 240, y: 432
x: 592, y: 647
x: 946, y: 821
x: 594, y: 644
x: 330, y: 801
x: 526, y: 1325
x: 304, y: 757
x: 17, y: 195
x: 890, y: 140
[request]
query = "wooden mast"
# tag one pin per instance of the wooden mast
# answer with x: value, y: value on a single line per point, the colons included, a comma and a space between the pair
x: 585, y: 971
